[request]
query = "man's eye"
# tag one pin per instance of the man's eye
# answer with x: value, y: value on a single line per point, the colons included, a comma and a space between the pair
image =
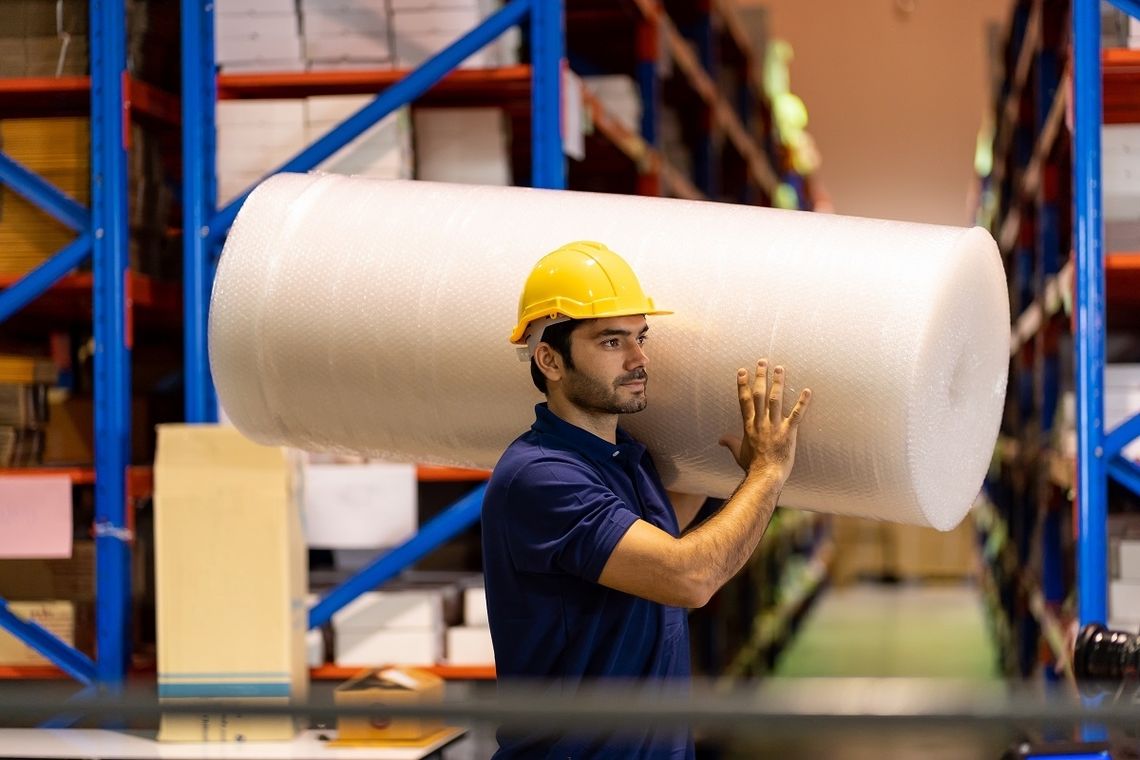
x: 611, y: 343
x: 641, y: 339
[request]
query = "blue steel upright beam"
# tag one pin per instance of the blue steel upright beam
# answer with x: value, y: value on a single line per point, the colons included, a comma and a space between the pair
x: 112, y: 341
x: 1092, y: 558
x: 547, y: 49
x: 199, y: 92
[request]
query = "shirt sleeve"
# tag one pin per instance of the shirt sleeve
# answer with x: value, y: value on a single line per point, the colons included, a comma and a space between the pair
x: 561, y: 517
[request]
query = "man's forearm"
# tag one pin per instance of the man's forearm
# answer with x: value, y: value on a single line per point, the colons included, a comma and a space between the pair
x: 717, y: 549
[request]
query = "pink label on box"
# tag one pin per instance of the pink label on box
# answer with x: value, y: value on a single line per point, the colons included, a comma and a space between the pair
x: 35, y: 516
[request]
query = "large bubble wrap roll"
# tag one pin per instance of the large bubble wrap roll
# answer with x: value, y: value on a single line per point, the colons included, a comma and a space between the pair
x: 372, y: 317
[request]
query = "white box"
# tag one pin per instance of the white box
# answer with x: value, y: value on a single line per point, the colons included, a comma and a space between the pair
x: 475, y: 606
x: 620, y: 98
x: 230, y: 186
x: 1120, y: 169
x: 331, y: 22
x: 332, y: 6
x: 288, y: 112
x: 263, y: 37
x: 254, y: 7
x: 360, y: 506
x: 1124, y: 600
x: 470, y: 645
x: 263, y: 50
x: 348, y: 46
x: 454, y: 21
x: 1129, y: 554
x: 419, y: 609
x: 261, y: 67
x: 412, y: 51
x: 354, y: 65
x: 1120, y: 375
x: 465, y: 145
x: 403, y: 6
x: 357, y: 647
x: 315, y: 648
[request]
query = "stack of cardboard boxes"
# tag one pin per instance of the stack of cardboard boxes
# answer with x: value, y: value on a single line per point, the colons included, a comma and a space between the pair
x: 1124, y: 573
x: 346, y: 34
x: 470, y: 643
x: 24, y: 385
x: 43, y: 38
x: 257, y: 35
x: 1120, y: 147
x: 421, y: 28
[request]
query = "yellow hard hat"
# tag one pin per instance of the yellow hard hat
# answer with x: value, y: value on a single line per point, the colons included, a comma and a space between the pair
x: 581, y: 280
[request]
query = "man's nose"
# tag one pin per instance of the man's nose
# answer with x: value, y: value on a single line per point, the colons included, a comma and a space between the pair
x: 636, y: 357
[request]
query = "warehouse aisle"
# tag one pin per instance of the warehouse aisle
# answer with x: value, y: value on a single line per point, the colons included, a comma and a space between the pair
x: 891, y: 631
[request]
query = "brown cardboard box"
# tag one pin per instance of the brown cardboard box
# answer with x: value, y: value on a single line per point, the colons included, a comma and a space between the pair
x: 391, y: 686
x: 231, y: 578
x: 70, y: 433
x: 57, y: 617
x: 872, y: 549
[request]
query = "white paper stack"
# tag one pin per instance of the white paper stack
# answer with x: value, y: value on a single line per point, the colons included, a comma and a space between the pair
x: 398, y: 627
x: 257, y: 35
x: 346, y: 34
x: 620, y: 97
x: 462, y: 145
x: 1120, y: 144
x: 470, y: 643
x: 383, y: 152
x: 360, y: 506
x: 1134, y: 33
x: 421, y: 28
x: 1124, y: 571
x: 253, y: 138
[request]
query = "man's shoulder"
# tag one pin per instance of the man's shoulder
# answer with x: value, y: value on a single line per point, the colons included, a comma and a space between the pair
x: 531, y: 457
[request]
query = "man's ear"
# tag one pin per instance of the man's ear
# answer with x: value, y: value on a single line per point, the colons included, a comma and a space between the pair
x: 549, y: 362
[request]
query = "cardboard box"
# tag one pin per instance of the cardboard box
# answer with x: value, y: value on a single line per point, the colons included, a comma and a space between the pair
x: 363, y: 647
x: 351, y: 45
x: 360, y: 506
x: 1124, y: 600
x: 465, y: 145
x: 381, y: 688
x: 55, y: 616
x: 231, y: 577
x: 333, y: 22
x: 470, y: 645
x: 255, y: 7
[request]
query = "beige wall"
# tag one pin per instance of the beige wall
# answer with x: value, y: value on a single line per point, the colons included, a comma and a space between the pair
x: 895, y: 98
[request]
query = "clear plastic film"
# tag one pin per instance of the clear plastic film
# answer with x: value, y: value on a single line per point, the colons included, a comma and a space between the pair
x: 372, y: 317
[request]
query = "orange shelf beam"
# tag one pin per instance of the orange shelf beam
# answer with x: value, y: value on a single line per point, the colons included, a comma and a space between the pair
x: 431, y: 474
x: 448, y: 672
x: 140, y: 480
x: 71, y: 298
x: 38, y: 96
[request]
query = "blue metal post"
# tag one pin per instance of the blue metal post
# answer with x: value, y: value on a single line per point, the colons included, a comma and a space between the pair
x: 1092, y: 558
x: 457, y: 518
x: 199, y: 93
x: 112, y: 341
x: 705, y: 154
x: 547, y: 49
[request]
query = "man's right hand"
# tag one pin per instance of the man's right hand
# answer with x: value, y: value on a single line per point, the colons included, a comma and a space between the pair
x: 768, y: 446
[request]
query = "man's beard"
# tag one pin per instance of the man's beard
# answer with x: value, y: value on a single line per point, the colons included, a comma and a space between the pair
x: 593, y: 395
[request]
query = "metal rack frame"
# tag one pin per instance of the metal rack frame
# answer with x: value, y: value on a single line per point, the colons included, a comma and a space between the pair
x: 103, y: 234
x: 1098, y: 451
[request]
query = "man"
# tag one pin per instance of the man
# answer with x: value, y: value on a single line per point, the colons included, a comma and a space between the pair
x: 588, y: 574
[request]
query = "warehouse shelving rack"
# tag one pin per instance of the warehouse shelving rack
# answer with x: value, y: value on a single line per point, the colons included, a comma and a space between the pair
x: 1030, y: 225
x: 114, y: 293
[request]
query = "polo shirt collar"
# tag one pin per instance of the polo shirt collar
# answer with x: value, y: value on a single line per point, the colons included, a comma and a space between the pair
x: 583, y: 441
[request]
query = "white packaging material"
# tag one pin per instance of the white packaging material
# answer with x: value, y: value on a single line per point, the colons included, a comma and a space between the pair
x: 619, y: 97
x: 388, y: 647
x: 412, y: 50
x: 349, y: 46
x: 1120, y: 171
x: 257, y: 37
x: 360, y: 506
x: 254, y: 7
x: 372, y: 317
x: 384, y: 151
x: 1124, y: 599
x: 419, y: 609
x: 475, y: 606
x: 463, y: 145
x: 470, y: 645
x: 332, y: 22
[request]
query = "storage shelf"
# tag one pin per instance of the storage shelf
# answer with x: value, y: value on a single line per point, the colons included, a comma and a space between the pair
x: 156, y: 303
x: 140, y: 479
x: 509, y: 85
x: 62, y: 96
x: 432, y: 474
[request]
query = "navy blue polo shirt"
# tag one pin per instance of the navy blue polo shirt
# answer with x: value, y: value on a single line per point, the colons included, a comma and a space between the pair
x: 557, y: 503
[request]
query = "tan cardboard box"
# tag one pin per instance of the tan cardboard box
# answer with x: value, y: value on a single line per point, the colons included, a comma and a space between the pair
x: 57, y: 617
x: 231, y: 580
x: 401, y: 686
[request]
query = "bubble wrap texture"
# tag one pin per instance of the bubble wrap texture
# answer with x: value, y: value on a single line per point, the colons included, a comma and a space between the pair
x: 372, y: 316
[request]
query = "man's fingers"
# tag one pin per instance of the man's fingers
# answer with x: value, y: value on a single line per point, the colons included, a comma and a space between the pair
x: 747, y: 408
x: 801, y: 406
x: 776, y: 397
x: 732, y: 443
x: 760, y: 386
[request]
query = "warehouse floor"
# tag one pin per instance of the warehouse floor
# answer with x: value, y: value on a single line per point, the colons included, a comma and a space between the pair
x: 869, y: 631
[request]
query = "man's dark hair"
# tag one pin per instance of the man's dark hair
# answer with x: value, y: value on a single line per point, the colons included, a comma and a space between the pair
x: 558, y: 336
